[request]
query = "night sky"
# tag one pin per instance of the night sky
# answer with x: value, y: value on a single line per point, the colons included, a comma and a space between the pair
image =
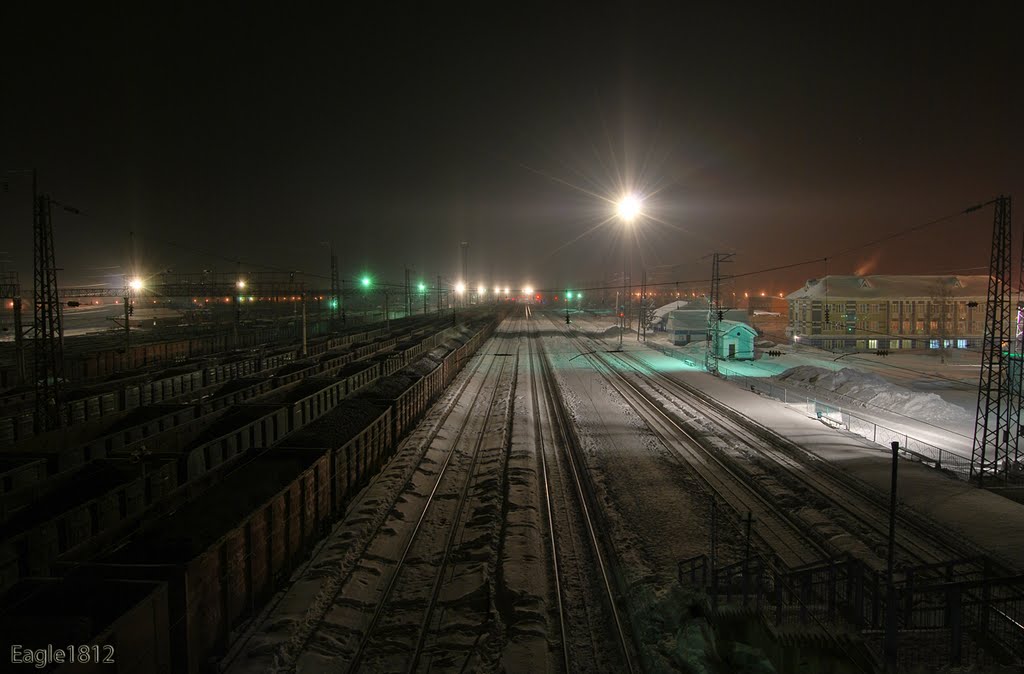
x: 780, y: 134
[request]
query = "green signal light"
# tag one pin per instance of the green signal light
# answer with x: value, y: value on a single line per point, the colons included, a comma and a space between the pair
x: 365, y: 281
x: 423, y: 287
x: 568, y: 295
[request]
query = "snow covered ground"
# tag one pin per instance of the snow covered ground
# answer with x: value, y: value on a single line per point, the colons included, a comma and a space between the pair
x: 919, y: 395
x: 986, y: 520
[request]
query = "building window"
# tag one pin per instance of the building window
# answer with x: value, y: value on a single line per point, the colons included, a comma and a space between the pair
x: 872, y: 343
x: 933, y: 343
x: 961, y: 343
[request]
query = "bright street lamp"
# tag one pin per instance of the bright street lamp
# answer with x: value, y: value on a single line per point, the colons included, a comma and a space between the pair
x: 240, y: 284
x: 460, y: 287
x: 629, y: 207
x: 136, y: 284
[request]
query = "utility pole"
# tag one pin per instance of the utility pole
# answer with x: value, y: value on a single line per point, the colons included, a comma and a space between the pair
x: 335, y: 300
x: 464, y: 249
x: 715, y: 312
x: 890, y: 601
x: 238, y: 302
x: 387, y: 310
x: 127, y: 299
x: 13, y: 288
x: 19, y: 339
x: 408, y: 297
x: 10, y: 287
x: 305, y: 349
x: 48, y: 351
x: 439, y: 293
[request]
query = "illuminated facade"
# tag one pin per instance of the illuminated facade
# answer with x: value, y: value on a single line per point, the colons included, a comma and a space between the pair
x: 889, y: 312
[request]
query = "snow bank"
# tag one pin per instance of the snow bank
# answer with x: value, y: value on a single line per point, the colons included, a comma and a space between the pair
x: 875, y: 391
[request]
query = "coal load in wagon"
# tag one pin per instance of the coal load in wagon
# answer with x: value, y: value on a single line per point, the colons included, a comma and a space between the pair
x: 339, y: 425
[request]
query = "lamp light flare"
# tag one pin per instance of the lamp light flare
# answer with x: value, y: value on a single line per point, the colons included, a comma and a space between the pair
x: 506, y: 290
x: 136, y: 284
x: 528, y: 290
x: 481, y: 290
x: 240, y: 283
x: 460, y: 287
x: 629, y: 207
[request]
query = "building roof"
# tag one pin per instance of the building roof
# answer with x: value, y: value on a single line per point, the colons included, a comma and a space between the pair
x: 727, y: 326
x: 697, y: 319
x: 892, y: 285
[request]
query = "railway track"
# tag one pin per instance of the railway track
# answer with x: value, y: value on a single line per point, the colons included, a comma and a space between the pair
x: 725, y: 482
x: 588, y: 615
x: 920, y: 541
x: 387, y: 610
x: 861, y: 509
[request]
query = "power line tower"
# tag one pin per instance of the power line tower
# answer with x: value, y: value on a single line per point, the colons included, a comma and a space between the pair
x: 48, y: 351
x: 1015, y: 373
x: 991, y: 430
x: 715, y: 312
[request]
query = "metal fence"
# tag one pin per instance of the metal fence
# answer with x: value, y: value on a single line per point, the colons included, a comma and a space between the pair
x: 837, y: 416
x: 949, y: 613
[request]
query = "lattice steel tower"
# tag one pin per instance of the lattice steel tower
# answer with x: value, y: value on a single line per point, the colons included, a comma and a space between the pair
x: 48, y: 338
x: 715, y: 312
x: 991, y: 425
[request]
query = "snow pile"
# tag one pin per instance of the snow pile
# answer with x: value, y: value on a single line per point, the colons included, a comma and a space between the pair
x: 612, y: 331
x: 875, y: 391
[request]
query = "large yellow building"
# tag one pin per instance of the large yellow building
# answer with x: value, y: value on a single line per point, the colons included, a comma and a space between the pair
x: 889, y: 312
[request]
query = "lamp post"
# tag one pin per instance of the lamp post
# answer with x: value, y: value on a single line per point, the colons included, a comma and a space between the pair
x: 627, y: 208
x: 130, y: 289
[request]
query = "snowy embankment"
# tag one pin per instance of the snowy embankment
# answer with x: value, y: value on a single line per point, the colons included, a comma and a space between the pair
x: 874, y: 391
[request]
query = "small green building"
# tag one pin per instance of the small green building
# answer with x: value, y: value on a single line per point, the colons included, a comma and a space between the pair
x: 735, y: 340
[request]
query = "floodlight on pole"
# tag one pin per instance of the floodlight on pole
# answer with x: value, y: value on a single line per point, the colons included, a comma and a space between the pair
x: 628, y: 207
x: 136, y: 284
x: 460, y: 287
